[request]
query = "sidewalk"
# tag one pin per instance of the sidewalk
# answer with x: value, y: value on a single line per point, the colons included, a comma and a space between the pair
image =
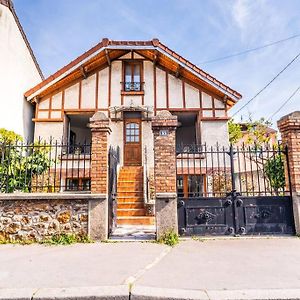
x: 253, y: 268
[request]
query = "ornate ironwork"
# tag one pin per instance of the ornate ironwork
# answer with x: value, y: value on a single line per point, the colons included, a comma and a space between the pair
x: 205, y: 216
x: 132, y: 86
x: 263, y: 214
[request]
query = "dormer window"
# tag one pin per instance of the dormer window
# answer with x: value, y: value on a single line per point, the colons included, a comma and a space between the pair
x: 132, y: 76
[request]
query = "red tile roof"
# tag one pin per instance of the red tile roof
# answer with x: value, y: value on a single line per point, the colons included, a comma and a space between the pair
x: 155, y: 43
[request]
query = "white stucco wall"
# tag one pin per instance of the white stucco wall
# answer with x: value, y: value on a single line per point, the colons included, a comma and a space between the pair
x: 18, y: 73
x: 116, y: 137
x: 213, y: 132
x: 47, y: 130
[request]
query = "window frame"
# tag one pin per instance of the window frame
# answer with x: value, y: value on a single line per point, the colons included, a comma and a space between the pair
x: 132, y: 64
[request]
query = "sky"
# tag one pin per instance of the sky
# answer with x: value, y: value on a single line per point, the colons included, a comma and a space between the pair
x: 199, y: 30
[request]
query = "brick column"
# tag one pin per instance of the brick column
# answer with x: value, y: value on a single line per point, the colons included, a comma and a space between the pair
x: 289, y: 127
x: 164, y: 126
x: 98, y: 208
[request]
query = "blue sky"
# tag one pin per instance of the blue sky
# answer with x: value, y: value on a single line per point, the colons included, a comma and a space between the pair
x: 200, y: 30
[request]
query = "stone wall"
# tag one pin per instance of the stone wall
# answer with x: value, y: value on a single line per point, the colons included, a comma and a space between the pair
x: 36, y: 220
x: 36, y: 217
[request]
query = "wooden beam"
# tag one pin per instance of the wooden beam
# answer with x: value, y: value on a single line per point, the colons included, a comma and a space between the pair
x: 83, y: 72
x: 107, y: 57
x: 178, y: 71
x: 155, y: 58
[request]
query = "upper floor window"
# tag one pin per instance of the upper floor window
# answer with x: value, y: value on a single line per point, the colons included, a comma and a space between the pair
x: 132, y: 76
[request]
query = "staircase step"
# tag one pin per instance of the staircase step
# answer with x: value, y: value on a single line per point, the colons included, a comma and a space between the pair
x: 130, y: 194
x: 123, y: 189
x: 130, y: 205
x: 145, y: 220
x: 130, y: 212
x: 127, y: 199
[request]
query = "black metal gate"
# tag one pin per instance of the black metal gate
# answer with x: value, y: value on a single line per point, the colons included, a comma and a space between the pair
x: 233, y: 191
x: 113, y: 161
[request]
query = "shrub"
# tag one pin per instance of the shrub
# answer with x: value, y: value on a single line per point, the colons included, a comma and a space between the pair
x: 170, y: 238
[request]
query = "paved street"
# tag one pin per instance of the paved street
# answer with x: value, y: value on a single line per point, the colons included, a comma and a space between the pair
x: 213, y: 264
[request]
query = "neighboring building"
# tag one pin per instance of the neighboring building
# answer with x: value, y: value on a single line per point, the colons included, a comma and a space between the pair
x: 130, y: 81
x: 250, y: 161
x: 270, y: 134
x: 19, y: 71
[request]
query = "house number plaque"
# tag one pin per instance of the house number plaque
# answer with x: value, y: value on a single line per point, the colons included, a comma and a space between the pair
x: 164, y: 132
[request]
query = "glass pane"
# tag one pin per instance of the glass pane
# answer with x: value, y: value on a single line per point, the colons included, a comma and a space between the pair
x: 128, y: 73
x: 136, y: 74
x: 136, y: 138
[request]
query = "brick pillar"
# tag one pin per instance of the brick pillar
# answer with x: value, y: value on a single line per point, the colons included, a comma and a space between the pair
x: 98, y: 209
x: 164, y: 126
x: 289, y: 127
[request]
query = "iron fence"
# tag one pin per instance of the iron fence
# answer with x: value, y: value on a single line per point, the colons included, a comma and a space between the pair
x: 45, y: 167
x: 216, y: 171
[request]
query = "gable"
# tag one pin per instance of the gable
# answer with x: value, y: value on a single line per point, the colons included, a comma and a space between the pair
x: 107, y: 51
x: 102, y: 91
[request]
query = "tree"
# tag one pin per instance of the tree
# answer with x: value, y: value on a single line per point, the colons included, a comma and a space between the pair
x: 274, y: 170
x: 235, y: 132
x: 20, y: 163
x: 8, y: 136
x: 256, y: 131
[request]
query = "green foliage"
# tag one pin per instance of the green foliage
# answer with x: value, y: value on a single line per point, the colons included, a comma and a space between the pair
x: 66, y: 239
x: 170, y: 238
x: 19, y: 164
x: 7, y: 136
x: 235, y: 132
x: 256, y: 131
x: 57, y: 239
x: 274, y: 170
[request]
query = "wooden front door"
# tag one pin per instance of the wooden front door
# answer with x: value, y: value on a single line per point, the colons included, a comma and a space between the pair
x: 132, y: 141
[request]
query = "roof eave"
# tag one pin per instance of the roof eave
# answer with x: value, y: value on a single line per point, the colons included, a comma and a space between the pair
x: 232, y: 96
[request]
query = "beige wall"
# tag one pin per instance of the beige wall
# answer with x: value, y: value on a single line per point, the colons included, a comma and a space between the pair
x: 47, y: 130
x: 18, y: 73
x: 213, y: 132
x: 179, y: 92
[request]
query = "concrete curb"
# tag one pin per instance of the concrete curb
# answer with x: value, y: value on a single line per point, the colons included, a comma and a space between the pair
x: 17, y: 294
x: 147, y: 293
x: 119, y: 292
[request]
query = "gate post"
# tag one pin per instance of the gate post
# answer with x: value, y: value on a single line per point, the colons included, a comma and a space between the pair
x: 164, y: 126
x: 289, y: 127
x: 98, y: 209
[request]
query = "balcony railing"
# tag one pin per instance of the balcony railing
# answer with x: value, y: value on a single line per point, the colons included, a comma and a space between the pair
x: 133, y: 86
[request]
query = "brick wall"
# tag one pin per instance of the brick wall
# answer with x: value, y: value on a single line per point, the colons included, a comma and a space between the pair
x: 99, y: 160
x: 164, y: 132
x: 289, y: 127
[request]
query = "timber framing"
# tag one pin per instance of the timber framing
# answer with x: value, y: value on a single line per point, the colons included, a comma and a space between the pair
x: 107, y: 51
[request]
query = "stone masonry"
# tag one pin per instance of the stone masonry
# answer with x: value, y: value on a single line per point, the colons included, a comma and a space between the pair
x: 36, y: 220
x: 164, y: 126
x: 289, y: 127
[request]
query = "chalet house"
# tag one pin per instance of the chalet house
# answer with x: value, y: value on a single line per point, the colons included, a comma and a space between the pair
x: 130, y: 82
x: 19, y: 71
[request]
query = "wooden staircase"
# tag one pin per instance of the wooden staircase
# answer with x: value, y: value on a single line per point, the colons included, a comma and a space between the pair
x: 130, y: 198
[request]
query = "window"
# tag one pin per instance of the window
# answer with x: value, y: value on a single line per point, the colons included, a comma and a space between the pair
x: 132, y: 76
x: 78, y: 184
x: 190, y: 185
x: 132, y: 133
